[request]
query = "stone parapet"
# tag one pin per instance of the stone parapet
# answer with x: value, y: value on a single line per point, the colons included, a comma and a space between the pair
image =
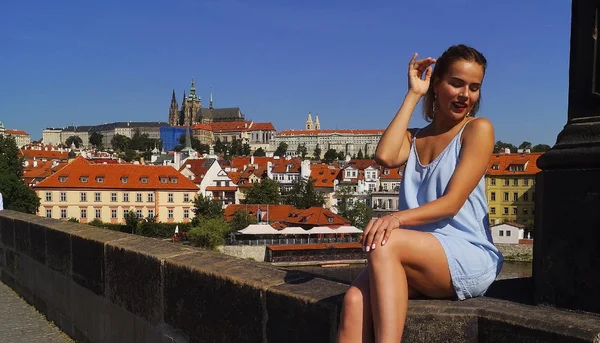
x: 106, y: 286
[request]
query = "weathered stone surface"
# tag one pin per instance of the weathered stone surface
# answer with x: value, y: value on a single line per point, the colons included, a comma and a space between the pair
x: 205, y: 290
x: 89, y: 314
x: 119, y: 324
x: 133, y: 274
x: 7, y: 231
x: 2, y: 263
x: 304, y: 309
x: 12, y: 263
x: 87, y: 253
x: 37, y: 235
x: 22, y: 241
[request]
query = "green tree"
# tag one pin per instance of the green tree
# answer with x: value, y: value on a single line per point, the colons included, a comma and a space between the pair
x: 529, y: 226
x: 207, y: 208
x: 341, y: 155
x: 301, y: 150
x: 241, y: 220
x: 525, y: 145
x: 130, y: 155
x: 343, y: 195
x: 132, y: 222
x: 210, y: 234
x: 260, y: 152
x: 95, y: 140
x: 219, y: 146
x: 360, y: 155
x: 15, y: 193
x: 246, y: 149
x: 330, y: 156
x: 120, y: 142
x: 265, y: 192
x: 304, y: 195
x: 281, y: 149
x: 74, y: 140
x: 196, y: 145
x: 500, y: 146
x: 317, y: 152
x: 359, y: 215
x: 540, y: 148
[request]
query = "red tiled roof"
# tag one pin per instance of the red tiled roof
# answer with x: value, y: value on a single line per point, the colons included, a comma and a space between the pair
x: 281, y: 166
x: 362, y: 164
x: 321, y: 132
x: 45, y: 154
x: 234, y: 176
x: 323, y: 175
x: 314, y: 216
x: 230, y: 126
x: 321, y: 246
x: 197, y: 166
x: 15, y: 132
x: 221, y: 188
x: 504, y: 161
x: 394, y: 173
x: 112, y: 174
x: 205, y: 127
x: 262, y: 126
x: 317, y: 216
x: 240, y: 162
x: 273, y: 212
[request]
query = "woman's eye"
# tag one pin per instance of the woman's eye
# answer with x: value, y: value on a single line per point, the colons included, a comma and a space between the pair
x: 474, y: 88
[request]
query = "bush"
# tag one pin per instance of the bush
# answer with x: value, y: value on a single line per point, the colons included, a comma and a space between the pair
x: 210, y: 234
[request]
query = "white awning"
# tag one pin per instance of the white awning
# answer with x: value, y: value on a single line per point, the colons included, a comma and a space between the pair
x: 259, y: 229
x: 321, y: 229
x: 347, y: 229
x: 294, y: 230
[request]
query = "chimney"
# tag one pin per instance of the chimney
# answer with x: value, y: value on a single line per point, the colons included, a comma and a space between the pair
x: 527, y: 151
x: 519, y: 151
x: 507, y: 150
x: 35, y: 163
x: 251, y: 159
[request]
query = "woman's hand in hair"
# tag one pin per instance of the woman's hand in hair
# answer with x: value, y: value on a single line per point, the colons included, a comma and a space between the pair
x: 418, y: 84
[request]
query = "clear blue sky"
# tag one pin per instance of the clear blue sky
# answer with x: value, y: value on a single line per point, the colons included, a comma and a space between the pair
x: 90, y: 62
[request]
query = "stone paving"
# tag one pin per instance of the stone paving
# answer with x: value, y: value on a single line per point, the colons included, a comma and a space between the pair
x: 20, y: 322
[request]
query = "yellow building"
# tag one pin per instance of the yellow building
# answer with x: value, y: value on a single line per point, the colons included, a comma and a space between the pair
x: 86, y: 191
x: 510, y: 187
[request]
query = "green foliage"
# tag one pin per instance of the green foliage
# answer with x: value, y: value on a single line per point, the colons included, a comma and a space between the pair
x: 207, y: 208
x: 15, y: 193
x: 265, y: 192
x: 196, y: 145
x: 130, y: 155
x: 260, y: 152
x: 74, y: 140
x: 95, y: 140
x: 330, y: 156
x: 343, y: 195
x: 241, y: 220
x: 96, y: 222
x: 525, y: 145
x: 304, y: 195
x: 131, y: 222
x: 219, y: 147
x: 359, y: 214
x: 281, y: 149
x: 341, y: 155
x: 120, y: 142
x: 360, y: 155
x: 73, y: 220
x: 210, y: 234
x: 540, y: 148
x: 317, y: 152
x: 301, y: 151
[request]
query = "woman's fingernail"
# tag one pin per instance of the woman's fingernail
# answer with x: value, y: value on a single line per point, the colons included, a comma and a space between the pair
x: 373, y: 246
x: 368, y: 249
x: 383, y: 243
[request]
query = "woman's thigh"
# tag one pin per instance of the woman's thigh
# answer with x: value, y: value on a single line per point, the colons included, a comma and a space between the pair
x: 424, y: 261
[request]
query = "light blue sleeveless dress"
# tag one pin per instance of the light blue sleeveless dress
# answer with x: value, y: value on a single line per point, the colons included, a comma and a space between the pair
x: 473, y: 259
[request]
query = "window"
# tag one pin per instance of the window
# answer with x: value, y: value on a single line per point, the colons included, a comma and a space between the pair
x: 150, y: 197
x: 98, y: 213
x: 113, y: 214
x: 330, y: 219
x: 125, y: 197
x: 515, y: 182
x: 138, y: 197
x: 501, y: 233
x: 63, y: 213
x: 124, y: 179
x: 150, y: 213
x: 62, y: 178
x: 125, y: 213
x: 144, y: 179
x: 219, y: 183
x: 514, y: 210
x: 48, y: 196
x: 100, y: 179
x: 139, y: 214
x: 97, y: 197
x: 526, y: 196
x: 525, y: 210
x: 526, y: 182
x: 83, y: 213
x: 515, y: 196
x: 186, y: 197
x: 505, y: 196
x: 186, y: 213
x: 493, y: 210
x: 48, y: 213
x: 508, y: 233
x: 496, y: 167
x: 170, y: 214
x: 170, y: 197
x: 493, y: 196
x: 83, y: 196
x: 163, y: 180
x: 493, y: 181
x: 113, y: 197
x: 83, y: 179
x: 506, y: 210
x: 506, y: 182
x: 174, y: 180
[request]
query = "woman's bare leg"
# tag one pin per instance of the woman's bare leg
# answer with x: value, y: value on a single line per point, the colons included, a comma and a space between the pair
x: 409, y: 258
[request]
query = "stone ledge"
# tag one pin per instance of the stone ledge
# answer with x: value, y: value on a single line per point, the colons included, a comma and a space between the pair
x: 121, y: 285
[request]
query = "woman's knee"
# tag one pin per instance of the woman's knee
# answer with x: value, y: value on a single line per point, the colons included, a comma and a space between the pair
x: 354, y: 299
x: 391, y: 250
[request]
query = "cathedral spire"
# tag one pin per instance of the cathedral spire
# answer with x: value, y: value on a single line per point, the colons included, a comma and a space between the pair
x: 309, y: 122
x: 210, y: 104
x: 173, y: 96
x: 317, y: 124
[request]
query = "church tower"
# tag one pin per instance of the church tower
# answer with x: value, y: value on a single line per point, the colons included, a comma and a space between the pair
x: 191, y: 106
x: 317, y: 124
x: 309, y: 122
x: 173, y: 111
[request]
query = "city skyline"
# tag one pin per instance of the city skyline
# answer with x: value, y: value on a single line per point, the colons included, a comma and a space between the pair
x: 87, y: 64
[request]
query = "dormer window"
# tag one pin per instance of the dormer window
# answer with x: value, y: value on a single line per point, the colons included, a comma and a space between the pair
x: 163, y: 180
x: 100, y: 179
x: 496, y: 167
x: 144, y: 179
x: 173, y: 180
x: 83, y: 179
x: 124, y: 179
x: 386, y: 172
x: 62, y: 178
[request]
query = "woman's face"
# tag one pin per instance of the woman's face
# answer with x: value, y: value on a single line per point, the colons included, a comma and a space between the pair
x: 458, y: 90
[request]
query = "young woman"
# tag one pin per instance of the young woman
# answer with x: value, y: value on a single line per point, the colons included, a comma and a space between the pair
x: 438, y: 244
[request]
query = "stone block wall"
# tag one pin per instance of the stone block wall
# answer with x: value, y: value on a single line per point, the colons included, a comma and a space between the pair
x: 106, y: 286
